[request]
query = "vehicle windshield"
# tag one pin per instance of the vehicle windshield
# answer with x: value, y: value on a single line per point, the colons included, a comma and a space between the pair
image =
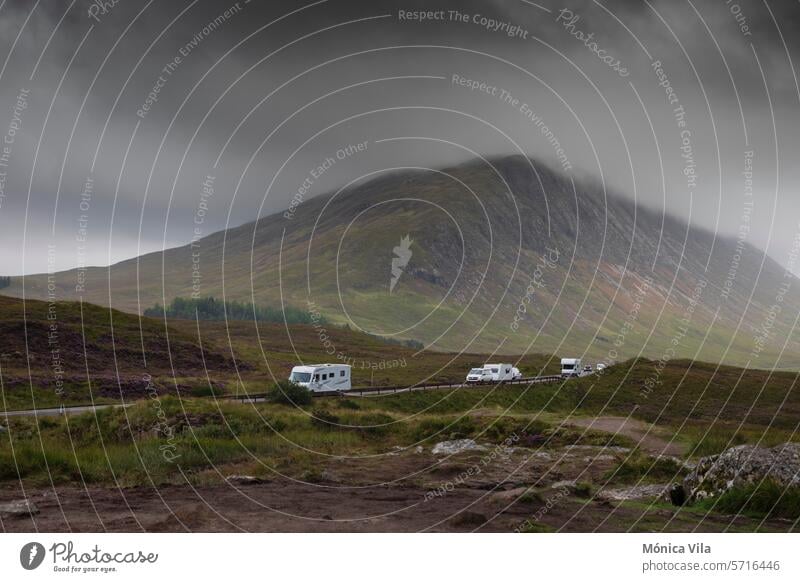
x: 476, y: 371
x: 300, y: 377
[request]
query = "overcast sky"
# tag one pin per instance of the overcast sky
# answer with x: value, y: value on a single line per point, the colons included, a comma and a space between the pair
x: 263, y: 93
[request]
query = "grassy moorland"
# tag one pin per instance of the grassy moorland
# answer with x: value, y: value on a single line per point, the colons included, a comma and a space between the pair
x: 71, y: 354
x: 204, y: 437
x: 208, y: 434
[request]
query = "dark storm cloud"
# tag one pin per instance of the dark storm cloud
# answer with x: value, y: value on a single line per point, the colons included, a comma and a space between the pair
x: 210, y: 105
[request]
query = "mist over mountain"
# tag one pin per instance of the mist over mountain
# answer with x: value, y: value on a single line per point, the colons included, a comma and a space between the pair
x: 502, y: 255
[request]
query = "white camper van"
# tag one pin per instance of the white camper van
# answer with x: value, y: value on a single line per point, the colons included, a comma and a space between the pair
x: 570, y: 367
x: 322, y: 377
x: 478, y: 375
x: 500, y: 372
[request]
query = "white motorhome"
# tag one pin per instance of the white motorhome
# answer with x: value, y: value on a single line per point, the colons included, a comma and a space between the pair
x: 570, y: 367
x: 493, y: 373
x: 500, y: 372
x: 322, y: 377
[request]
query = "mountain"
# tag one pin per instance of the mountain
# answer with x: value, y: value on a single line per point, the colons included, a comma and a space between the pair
x: 507, y: 257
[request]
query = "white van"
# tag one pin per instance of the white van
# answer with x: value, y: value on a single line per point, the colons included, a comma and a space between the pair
x: 322, y: 377
x: 476, y: 375
x: 570, y: 367
x: 500, y: 372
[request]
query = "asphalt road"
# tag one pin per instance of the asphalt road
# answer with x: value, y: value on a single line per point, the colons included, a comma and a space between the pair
x: 89, y: 408
x: 61, y: 411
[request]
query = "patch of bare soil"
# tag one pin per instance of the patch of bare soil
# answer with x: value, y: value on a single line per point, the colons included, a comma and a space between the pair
x: 650, y: 439
x: 493, y: 490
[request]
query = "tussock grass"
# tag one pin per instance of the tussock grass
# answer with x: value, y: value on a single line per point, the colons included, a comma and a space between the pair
x: 532, y: 497
x: 704, y: 441
x: 767, y: 499
x: 535, y: 527
x: 647, y: 469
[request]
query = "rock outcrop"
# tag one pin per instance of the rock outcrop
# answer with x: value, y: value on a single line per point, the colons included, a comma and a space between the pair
x: 458, y: 446
x: 634, y: 492
x: 20, y: 508
x: 741, y: 466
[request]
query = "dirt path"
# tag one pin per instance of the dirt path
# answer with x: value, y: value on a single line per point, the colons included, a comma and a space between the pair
x: 650, y: 438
